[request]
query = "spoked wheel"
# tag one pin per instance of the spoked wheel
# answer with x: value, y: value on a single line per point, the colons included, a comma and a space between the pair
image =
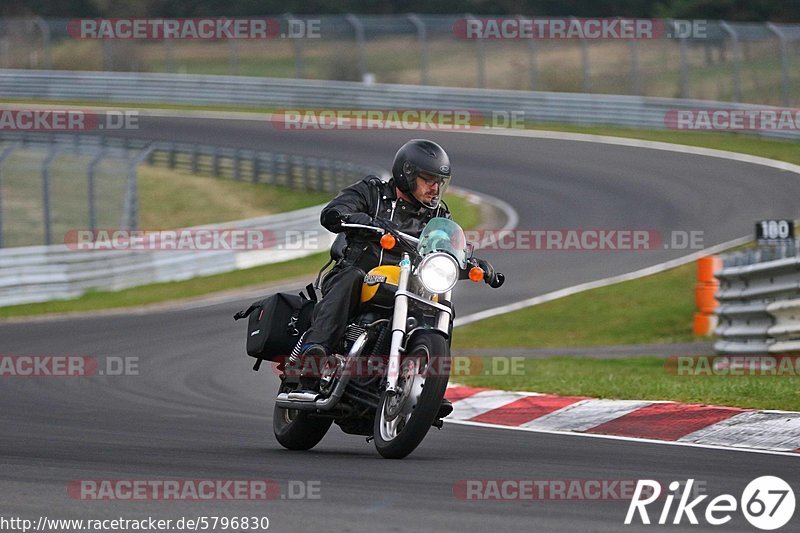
x: 403, y: 419
x: 296, y: 430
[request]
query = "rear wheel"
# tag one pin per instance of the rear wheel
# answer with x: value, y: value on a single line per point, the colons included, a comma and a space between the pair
x: 298, y: 430
x: 403, y: 419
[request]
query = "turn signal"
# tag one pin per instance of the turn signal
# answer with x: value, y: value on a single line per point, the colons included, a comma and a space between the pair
x: 388, y: 241
x: 476, y: 274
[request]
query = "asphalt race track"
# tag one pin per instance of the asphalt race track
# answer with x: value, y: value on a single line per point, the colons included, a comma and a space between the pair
x: 196, y: 410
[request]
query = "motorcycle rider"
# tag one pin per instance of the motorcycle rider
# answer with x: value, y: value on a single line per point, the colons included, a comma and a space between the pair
x: 407, y: 202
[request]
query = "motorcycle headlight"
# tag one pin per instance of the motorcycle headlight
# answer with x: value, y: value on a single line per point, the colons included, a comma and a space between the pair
x: 438, y: 273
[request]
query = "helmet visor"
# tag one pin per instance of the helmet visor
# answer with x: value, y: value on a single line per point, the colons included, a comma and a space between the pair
x: 429, y: 188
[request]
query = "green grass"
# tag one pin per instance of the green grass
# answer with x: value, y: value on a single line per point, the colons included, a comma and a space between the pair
x: 644, y: 378
x: 654, y: 309
x: 172, y: 199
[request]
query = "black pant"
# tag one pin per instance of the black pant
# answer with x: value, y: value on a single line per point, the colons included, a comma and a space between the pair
x: 341, y: 293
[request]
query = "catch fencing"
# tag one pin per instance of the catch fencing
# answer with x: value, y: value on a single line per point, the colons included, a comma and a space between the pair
x: 45, y: 272
x: 728, y: 61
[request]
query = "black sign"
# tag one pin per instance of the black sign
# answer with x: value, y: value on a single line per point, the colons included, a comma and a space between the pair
x: 774, y: 230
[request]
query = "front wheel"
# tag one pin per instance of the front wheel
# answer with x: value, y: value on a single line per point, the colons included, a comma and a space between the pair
x: 297, y: 430
x: 403, y: 419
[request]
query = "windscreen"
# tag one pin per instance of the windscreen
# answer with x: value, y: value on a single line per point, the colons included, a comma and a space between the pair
x: 444, y: 235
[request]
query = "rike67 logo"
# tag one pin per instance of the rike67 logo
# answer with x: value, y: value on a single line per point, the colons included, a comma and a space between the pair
x: 767, y: 503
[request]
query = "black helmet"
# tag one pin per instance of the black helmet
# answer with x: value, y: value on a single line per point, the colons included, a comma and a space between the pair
x: 424, y: 159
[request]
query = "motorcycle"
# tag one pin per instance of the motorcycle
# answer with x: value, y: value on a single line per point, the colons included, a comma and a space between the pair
x: 406, y: 312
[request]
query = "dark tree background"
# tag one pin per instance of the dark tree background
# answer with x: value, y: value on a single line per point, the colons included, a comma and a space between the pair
x: 739, y: 10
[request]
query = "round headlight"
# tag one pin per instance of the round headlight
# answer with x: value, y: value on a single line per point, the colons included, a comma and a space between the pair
x: 438, y: 273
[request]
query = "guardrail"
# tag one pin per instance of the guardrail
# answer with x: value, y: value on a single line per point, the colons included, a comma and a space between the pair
x: 276, y: 93
x: 40, y: 273
x: 759, y: 298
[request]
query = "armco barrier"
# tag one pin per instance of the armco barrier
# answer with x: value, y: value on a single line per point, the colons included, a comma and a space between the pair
x: 279, y: 93
x: 759, y: 310
x: 41, y: 273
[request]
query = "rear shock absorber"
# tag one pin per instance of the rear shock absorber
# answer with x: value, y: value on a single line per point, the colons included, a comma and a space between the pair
x: 295, y: 355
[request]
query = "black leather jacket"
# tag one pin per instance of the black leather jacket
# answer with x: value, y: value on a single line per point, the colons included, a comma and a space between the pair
x: 378, y: 199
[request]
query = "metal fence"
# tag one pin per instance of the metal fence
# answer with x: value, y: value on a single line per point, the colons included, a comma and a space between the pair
x: 41, y: 273
x: 742, y: 62
x: 494, y: 106
x: 97, y: 187
x: 759, y: 296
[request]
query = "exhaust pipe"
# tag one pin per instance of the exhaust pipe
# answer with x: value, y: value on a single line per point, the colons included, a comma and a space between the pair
x: 312, y: 401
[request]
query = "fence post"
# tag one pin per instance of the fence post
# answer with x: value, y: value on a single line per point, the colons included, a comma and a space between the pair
x: 48, y: 229
x: 6, y: 152
x: 215, y: 162
x: 636, y: 73
x: 233, y: 57
x: 169, y: 58
x: 45, y: 29
x: 108, y: 60
x: 422, y: 39
x: 737, y: 56
x: 358, y: 27
x: 92, y: 208
x: 533, y: 66
x: 255, y: 168
x: 785, y: 82
x: 684, y: 72
x: 481, y: 47
x: 298, y: 52
x: 585, y: 65
x: 131, y: 213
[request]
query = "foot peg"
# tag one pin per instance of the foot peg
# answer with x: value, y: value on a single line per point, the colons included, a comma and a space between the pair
x: 445, y: 409
x: 304, y: 396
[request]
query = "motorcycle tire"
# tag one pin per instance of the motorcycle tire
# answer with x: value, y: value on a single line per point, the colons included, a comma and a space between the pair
x: 392, y: 440
x: 296, y: 430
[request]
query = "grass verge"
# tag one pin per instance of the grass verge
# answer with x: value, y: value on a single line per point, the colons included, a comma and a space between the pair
x: 644, y: 378
x: 173, y: 199
x: 654, y: 309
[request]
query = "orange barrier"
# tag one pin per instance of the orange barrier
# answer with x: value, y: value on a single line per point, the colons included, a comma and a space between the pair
x: 704, y: 295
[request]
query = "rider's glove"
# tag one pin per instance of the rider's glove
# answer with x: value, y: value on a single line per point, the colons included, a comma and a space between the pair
x: 358, y: 218
x: 492, y: 278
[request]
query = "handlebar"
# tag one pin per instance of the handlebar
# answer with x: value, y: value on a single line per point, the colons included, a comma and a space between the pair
x: 495, y: 282
x: 406, y: 236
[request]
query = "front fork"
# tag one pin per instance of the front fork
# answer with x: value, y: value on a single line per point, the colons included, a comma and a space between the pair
x: 400, y: 324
